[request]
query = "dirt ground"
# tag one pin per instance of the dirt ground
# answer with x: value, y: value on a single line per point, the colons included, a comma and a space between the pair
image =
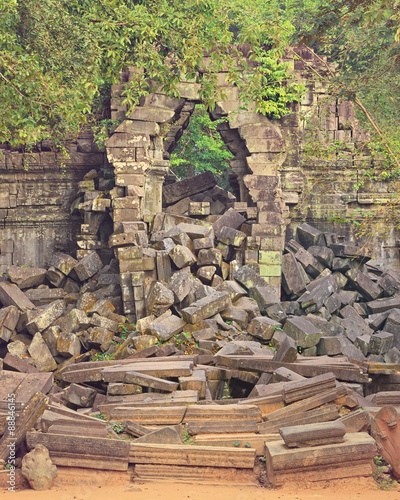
x: 353, y: 489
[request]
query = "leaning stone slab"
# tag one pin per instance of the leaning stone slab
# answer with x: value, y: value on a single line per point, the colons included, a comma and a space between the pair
x: 248, y: 277
x: 8, y: 321
x: 159, y: 299
x: 231, y: 218
x: 26, y: 277
x: 206, y: 307
x: 230, y: 236
x: 11, y: 295
x: 188, y: 187
x: 88, y: 266
x: 292, y: 278
x: 368, y: 289
x: 263, y: 328
x: 41, y: 354
x: 180, y: 284
x: 379, y: 305
x: 265, y: 296
x: 63, y: 262
x: 182, y: 256
x: 45, y: 318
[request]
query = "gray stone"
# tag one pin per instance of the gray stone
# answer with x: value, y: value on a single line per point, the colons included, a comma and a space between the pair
x: 265, y: 296
x: 318, y: 292
x: 329, y: 346
x: 166, y: 435
x: 80, y: 396
x: 309, y: 236
x: 9, y: 317
x: 392, y: 356
x: 333, y: 303
x: 68, y: 345
x: 276, y: 312
x: 11, y: 295
x: 362, y: 342
x: 349, y: 349
x: 237, y: 315
x: 249, y: 305
x: 17, y: 348
x: 234, y: 289
x: 328, y: 328
x: 100, y: 337
x: 376, y: 306
x: 292, y: 279
x: 309, y: 262
x: 38, y: 468
x: 380, y: 343
x: 88, y: 266
x: 180, y: 284
x: 209, y: 257
x: 75, y: 321
x: 302, y: 331
x: 195, y: 231
x: 50, y: 336
x: 230, y: 236
x: 63, y: 262
x: 41, y: 354
x: 231, y: 218
x: 323, y: 254
x: 363, y: 284
x: 248, y: 277
x: 188, y: 187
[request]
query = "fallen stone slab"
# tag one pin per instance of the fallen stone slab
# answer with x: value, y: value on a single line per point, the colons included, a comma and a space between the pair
x: 9, y: 317
x: 88, y: 266
x: 309, y: 236
x: 172, y: 193
x: 363, y: 284
x: 26, y: 277
x: 206, y: 307
x: 41, y: 354
x: 293, y: 280
x: 300, y: 436
x: 11, y: 295
x: 231, y: 218
x: 46, y: 317
x: 302, y: 331
x: 167, y: 328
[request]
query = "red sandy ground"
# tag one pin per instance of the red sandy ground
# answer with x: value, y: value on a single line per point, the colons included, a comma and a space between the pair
x: 349, y: 489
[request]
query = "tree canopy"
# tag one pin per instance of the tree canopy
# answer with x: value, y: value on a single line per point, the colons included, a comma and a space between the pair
x: 58, y: 58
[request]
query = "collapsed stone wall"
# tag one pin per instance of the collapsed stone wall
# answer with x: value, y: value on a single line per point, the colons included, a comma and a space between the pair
x: 36, y: 200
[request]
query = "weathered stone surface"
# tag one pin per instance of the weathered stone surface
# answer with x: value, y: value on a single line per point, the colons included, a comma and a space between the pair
x: 166, y: 435
x: 236, y: 314
x: 324, y: 255
x: 302, y: 331
x: 209, y: 257
x: 38, y: 468
x: 380, y: 343
x: 46, y: 317
x: 377, y: 306
x: 329, y: 346
x: 206, y: 274
x: 175, y: 192
x: 230, y: 236
x: 292, y: 279
x: 263, y: 328
x: 182, y: 256
x: 41, y: 354
x: 80, y: 396
x: 9, y: 317
x: 231, y: 218
x: 159, y: 299
x: 363, y: 284
x: 63, y: 262
x: 206, y: 307
x: 26, y: 277
x: 265, y: 296
x: 11, y: 295
x: 101, y: 337
x: 88, y: 266
x: 68, y: 345
x: 167, y: 328
x: 309, y: 236
x: 75, y: 321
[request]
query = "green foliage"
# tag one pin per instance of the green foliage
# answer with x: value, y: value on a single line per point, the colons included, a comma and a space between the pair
x: 101, y: 416
x: 58, y: 58
x: 383, y: 481
x: 104, y: 356
x: 118, y: 427
x: 201, y: 148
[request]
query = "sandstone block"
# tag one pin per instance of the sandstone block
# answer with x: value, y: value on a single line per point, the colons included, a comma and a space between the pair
x: 26, y: 277
x: 63, y: 262
x: 11, y: 295
x: 41, y: 354
x: 182, y: 256
x: 302, y: 331
x: 159, y: 299
x: 88, y: 266
x: 38, y: 468
x: 263, y: 328
x: 46, y: 317
x: 167, y: 328
x: 231, y: 218
x: 206, y: 307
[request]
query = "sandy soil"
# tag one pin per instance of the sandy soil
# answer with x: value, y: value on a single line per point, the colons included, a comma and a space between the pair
x: 355, y: 489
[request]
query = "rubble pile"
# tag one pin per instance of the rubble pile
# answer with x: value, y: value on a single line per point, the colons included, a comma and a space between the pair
x: 184, y: 337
